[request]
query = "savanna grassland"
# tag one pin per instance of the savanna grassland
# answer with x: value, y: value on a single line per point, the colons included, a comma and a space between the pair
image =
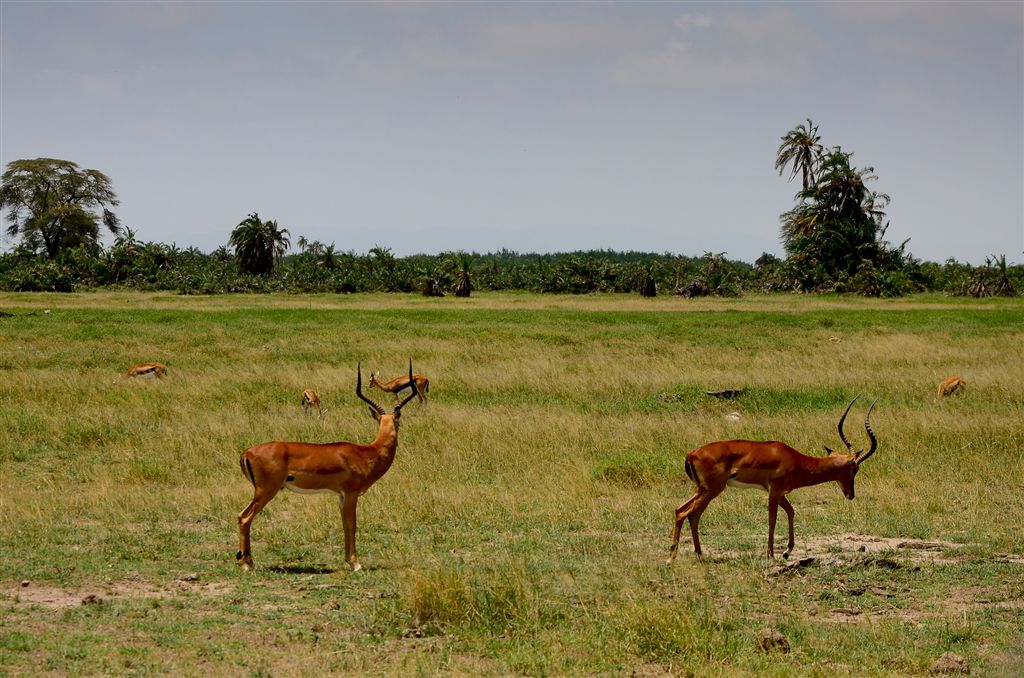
x: 525, y: 523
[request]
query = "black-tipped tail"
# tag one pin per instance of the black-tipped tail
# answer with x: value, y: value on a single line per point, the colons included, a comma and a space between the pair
x: 247, y: 469
x: 691, y: 472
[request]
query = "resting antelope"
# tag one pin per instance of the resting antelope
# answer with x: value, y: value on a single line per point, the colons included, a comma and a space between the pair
x: 772, y: 466
x: 400, y: 383
x: 311, y: 399
x: 346, y: 469
x: 952, y: 386
x: 159, y: 370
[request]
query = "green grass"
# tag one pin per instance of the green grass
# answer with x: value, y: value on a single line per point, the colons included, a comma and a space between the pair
x: 524, y: 525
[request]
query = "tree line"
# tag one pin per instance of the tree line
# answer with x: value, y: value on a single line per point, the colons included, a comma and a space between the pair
x: 133, y: 264
x: 834, y: 239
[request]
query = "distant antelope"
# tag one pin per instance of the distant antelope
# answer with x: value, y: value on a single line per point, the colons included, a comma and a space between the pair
x: 158, y: 370
x: 310, y: 399
x: 399, y: 384
x: 952, y: 386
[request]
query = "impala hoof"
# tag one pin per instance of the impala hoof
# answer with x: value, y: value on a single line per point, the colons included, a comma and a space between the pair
x: 356, y: 567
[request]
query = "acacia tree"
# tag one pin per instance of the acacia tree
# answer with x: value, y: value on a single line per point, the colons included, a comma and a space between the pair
x: 53, y: 204
x: 259, y: 244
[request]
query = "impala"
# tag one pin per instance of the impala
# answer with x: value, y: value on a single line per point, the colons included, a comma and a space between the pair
x: 952, y: 386
x: 400, y: 383
x: 311, y: 399
x: 771, y: 466
x: 346, y: 469
x: 159, y: 370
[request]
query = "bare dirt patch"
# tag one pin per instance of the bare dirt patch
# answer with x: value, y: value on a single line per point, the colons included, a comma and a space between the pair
x: 29, y: 593
x: 913, y: 550
x: 851, y: 551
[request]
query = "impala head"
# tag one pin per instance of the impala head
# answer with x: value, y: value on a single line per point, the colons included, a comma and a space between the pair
x: 375, y: 378
x: 850, y: 463
x: 376, y: 411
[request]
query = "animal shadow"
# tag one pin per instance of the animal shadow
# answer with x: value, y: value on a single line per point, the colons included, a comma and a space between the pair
x: 303, y: 569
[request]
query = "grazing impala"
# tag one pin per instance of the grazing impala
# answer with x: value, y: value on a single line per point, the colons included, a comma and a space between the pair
x: 400, y: 383
x: 952, y: 386
x: 346, y: 469
x: 311, y: 399
x: 772, y: 466
x: 159, y: 370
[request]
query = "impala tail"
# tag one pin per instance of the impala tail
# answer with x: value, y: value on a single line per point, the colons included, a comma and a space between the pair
x: 691, y: 472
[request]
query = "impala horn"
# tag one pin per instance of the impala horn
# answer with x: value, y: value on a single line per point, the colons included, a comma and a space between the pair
x: 871, y: 434
x: 842, y: 436
x: 359, y: 391
x: 412, y: 394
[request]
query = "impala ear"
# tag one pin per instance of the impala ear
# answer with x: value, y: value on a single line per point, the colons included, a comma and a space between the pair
x: 374, y: 413
x: 828, y: 450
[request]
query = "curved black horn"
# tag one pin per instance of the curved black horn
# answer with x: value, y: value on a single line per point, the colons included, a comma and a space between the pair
x: 842, y: 436
x: 413, y: 391
x: 871, y: 434
x: 359, y: 390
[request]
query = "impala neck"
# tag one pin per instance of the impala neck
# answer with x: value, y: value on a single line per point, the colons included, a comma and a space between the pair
x: 387, y: 435
x: 818, y: 470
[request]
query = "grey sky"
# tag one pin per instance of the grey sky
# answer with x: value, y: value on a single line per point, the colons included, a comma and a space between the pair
x: 536, y: 127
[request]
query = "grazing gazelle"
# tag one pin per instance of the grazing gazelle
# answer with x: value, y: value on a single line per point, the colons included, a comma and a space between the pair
x: 400, y: 383
x: 345, y: 469
x: 159, y: 370
x: 772, y: 466
x: 952, y: 386
x: 311, y: 399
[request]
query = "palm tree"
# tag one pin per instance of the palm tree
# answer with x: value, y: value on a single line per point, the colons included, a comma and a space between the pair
x: 328, y: 256
x: 258, y: 244
x: 801, y: 148
x: 459, y: 264
x: 838, y: 223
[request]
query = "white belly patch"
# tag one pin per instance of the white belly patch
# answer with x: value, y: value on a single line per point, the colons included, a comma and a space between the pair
x: 736, y: 483
x: 303, y: 490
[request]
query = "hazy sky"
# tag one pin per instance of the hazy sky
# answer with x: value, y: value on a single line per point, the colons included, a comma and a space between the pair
x: 532, y: 126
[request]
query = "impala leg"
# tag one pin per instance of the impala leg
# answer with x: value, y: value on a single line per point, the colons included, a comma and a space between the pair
x: 694, y: 517
x: 681, y: 514
x: 348, y: 521
x: 692, y: 510
x: 788, y: 508
x: 773, y: 513
x: 260, y: 499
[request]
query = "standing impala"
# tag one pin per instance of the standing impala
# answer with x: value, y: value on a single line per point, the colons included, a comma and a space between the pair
x: 772, y: 466
x: 346, y: 469
x: 400, y: 383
